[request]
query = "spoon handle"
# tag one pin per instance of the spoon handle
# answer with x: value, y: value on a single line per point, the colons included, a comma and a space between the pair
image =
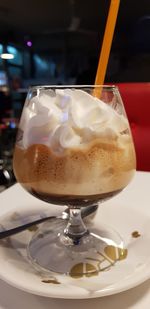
x: 84, y: 212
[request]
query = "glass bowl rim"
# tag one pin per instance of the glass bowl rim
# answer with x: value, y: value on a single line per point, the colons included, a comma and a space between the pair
x: 73, y: 86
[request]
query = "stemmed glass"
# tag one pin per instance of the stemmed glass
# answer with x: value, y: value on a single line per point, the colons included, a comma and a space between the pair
x: 74, y: 147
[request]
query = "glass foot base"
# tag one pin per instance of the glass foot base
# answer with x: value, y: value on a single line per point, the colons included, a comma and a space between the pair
x: 51, y: 251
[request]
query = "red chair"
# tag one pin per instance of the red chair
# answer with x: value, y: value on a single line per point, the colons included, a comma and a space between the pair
x: 136, y: 98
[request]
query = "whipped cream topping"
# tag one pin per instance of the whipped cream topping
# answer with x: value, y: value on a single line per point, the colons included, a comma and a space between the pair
x: 69, y: 118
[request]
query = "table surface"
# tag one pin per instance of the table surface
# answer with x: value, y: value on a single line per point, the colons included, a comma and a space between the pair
x: 138, y: 297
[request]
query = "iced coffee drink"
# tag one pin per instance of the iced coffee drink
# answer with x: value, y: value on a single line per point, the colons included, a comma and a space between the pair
x: 72, y: 147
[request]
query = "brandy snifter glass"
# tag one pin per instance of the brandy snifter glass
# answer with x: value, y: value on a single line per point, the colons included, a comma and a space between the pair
x: 74, y: 147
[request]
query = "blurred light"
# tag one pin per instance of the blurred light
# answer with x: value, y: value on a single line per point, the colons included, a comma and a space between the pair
x: 12, y: 125
x: 17, y: 55
x: 29, y: 43
x: 7, y: 56
x: 1, y: 48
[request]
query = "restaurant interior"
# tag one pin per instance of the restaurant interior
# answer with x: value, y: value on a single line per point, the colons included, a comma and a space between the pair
x: 58, y: 42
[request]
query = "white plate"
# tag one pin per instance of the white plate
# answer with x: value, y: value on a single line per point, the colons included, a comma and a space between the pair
x: 128, y: 212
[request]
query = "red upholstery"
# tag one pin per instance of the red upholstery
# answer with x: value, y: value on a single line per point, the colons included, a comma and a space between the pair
x: 136, y: 98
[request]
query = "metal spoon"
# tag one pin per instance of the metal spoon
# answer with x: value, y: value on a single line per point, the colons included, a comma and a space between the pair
x: 86, y: 211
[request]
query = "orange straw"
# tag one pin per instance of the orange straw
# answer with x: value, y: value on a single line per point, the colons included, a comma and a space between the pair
x: 107, y: 42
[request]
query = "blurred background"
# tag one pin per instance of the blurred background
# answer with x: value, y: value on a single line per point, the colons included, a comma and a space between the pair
x: 59, y: 42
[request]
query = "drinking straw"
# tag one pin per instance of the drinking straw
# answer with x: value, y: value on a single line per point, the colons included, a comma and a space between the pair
x: 107, y: 42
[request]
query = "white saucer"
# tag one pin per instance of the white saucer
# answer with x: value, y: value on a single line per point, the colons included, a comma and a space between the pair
x: 127, y: 212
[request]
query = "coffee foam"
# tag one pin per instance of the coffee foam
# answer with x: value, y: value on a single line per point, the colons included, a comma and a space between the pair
x: 69, y: 118
x: 100, y: 168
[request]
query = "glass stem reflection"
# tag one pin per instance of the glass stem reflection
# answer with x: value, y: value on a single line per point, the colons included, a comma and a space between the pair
x: 75, y: 228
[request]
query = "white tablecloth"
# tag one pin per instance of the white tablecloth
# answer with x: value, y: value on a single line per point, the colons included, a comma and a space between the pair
x: 139, y: 297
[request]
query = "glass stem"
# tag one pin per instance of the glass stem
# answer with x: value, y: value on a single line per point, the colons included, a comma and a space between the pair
x: 75, y: 228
